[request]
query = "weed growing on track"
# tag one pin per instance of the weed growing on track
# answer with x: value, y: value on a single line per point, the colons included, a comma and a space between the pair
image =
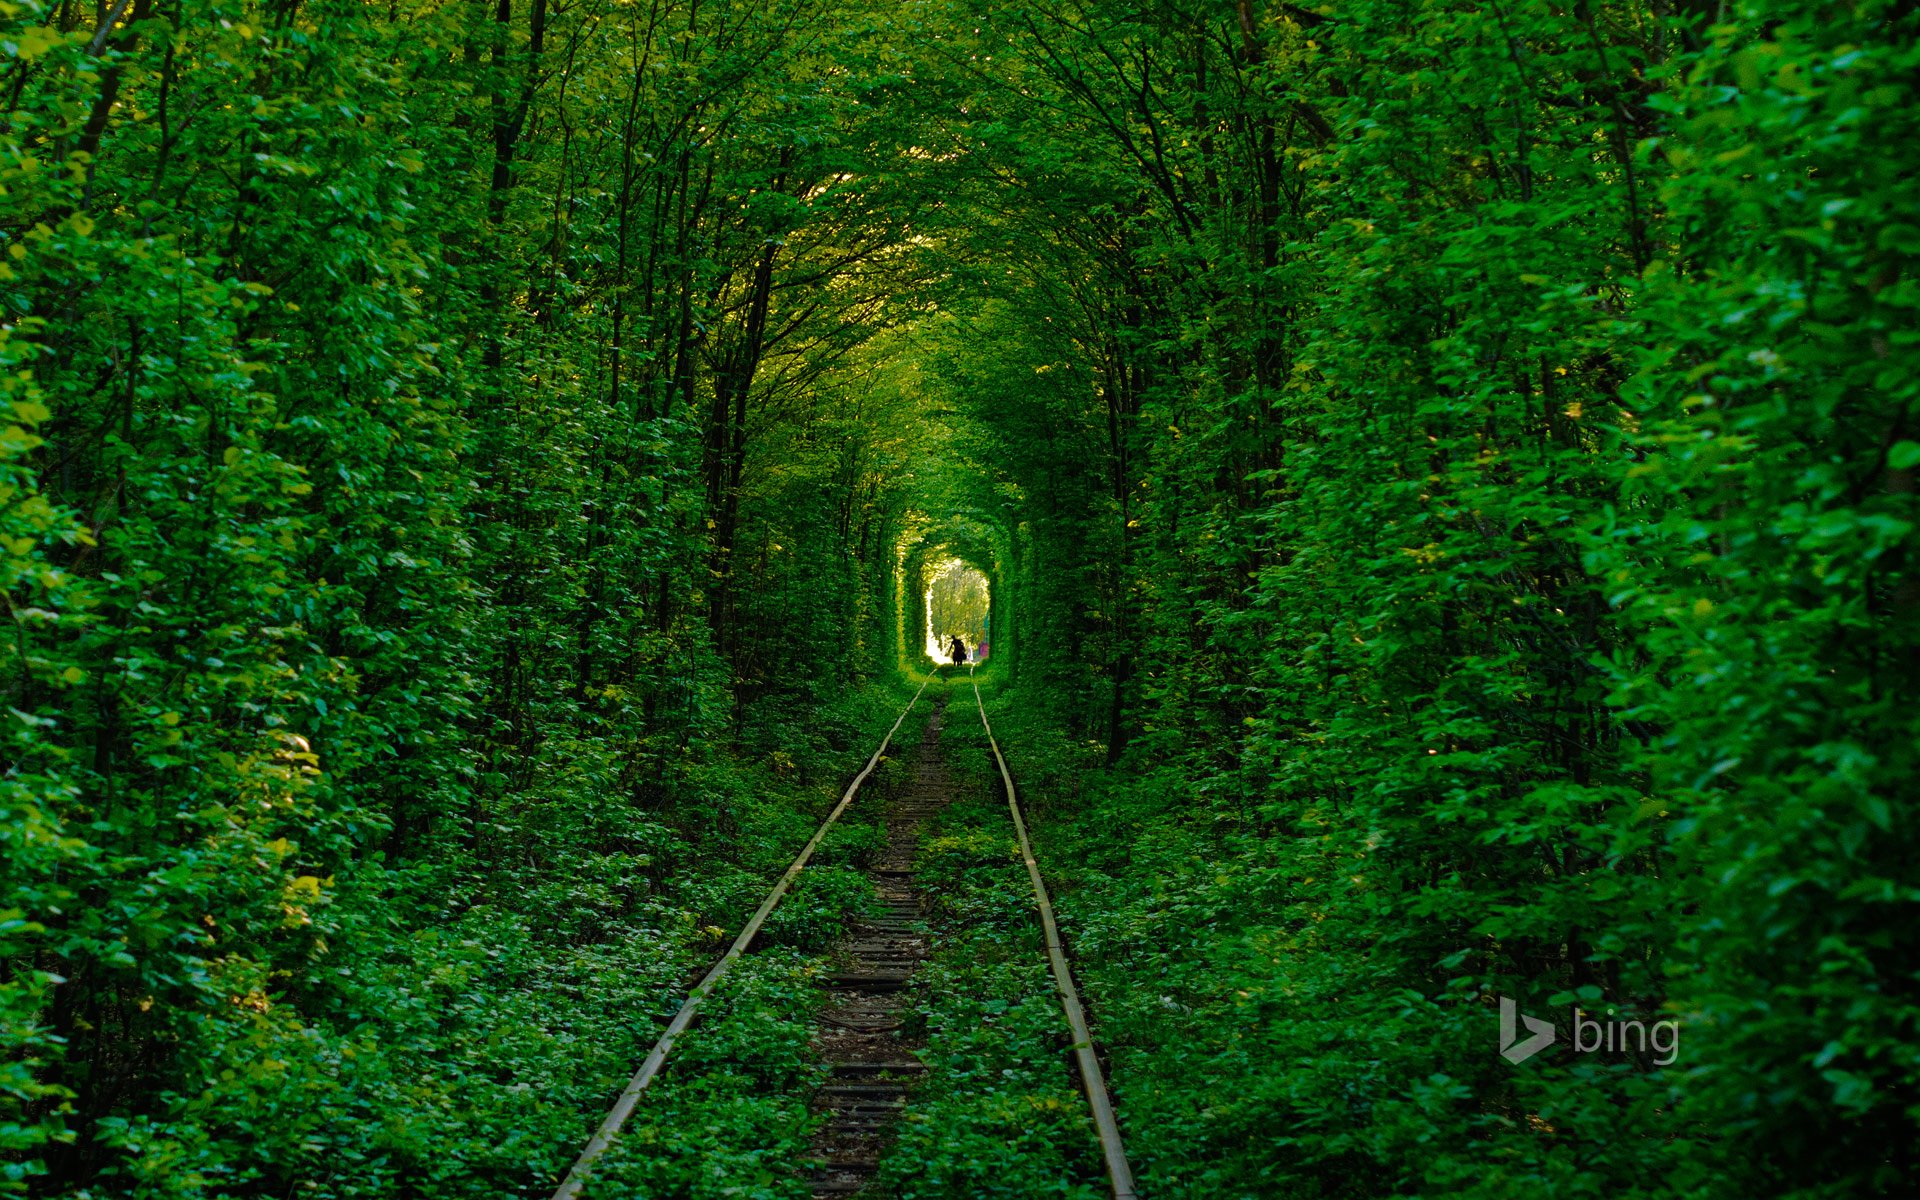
x: 729, y: 1116
x: 1000, y: 1114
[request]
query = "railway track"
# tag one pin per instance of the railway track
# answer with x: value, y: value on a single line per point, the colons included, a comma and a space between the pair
x: 859, y: 1034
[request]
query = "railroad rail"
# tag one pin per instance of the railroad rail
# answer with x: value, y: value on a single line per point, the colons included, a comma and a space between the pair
x: 1092, y: 1079
x: 870, y: 1063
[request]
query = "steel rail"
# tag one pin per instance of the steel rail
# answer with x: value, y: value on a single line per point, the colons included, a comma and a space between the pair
x: 623, y: 1107
x: 1092, y: 1079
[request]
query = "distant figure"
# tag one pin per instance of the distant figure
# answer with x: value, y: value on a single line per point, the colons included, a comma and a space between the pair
x: 959, y: 652
x: 980, y: 652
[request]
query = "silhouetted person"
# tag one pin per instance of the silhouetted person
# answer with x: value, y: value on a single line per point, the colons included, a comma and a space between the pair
x: 959, y: 652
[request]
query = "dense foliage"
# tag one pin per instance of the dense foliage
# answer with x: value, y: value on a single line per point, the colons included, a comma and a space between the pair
x: 1471, y: 450
x: 1446, y: 476
x: 391, y: 651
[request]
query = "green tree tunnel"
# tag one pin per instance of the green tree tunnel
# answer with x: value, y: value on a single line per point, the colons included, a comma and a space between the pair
x: 1436, y: 483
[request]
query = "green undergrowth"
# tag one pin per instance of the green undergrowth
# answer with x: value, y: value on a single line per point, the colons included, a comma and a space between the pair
x: 456, y: 1034
x: 1260, y: 1040
x: 1196, y: 980
x: 728, y: 1118
x: 1000, y: 1114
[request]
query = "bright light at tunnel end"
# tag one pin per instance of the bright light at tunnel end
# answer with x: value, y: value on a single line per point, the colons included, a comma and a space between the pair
x: 957, y: 603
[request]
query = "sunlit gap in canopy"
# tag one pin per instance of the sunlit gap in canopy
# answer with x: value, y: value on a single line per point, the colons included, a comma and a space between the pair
x: 957, y: 604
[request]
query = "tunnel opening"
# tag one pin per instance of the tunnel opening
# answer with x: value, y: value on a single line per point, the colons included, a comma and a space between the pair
x: 958, y: 604
x: 949, y: 582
